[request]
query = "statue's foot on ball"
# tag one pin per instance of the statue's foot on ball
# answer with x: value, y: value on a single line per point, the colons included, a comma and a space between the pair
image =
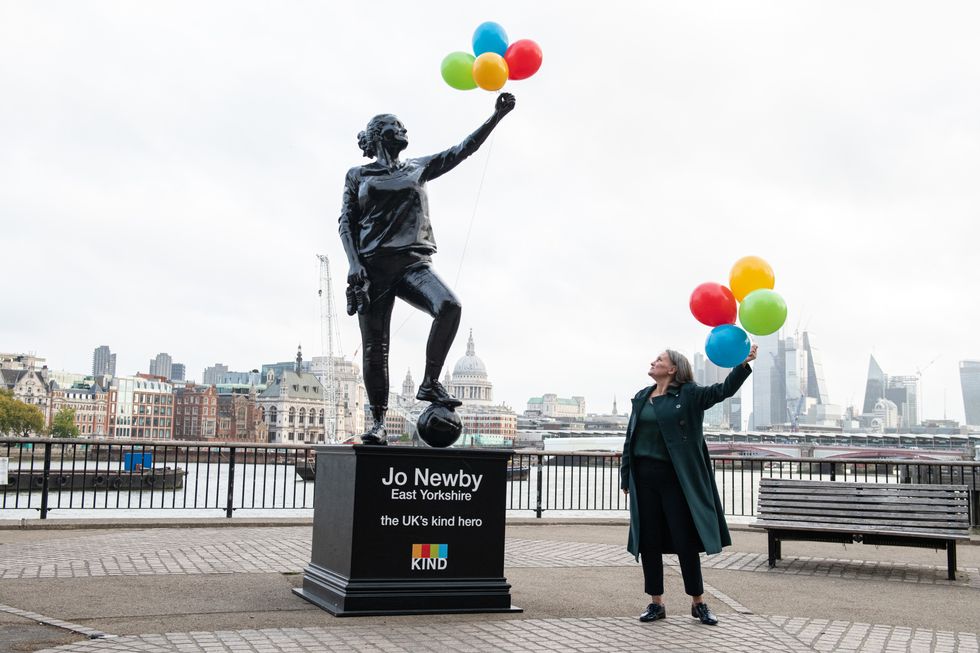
x: 436, y: 393
x: 376, y: 436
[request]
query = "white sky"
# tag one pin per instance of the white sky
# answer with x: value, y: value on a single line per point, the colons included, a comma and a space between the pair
x: 168, y: 171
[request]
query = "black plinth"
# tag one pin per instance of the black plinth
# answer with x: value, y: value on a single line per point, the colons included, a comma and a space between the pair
x: 400, y: 530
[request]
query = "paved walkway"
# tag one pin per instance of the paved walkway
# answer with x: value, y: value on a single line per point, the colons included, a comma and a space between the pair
x: 227, y: 589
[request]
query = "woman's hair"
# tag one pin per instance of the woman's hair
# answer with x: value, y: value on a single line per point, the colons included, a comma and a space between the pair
x: 367, y: 140
x: 684, y: 372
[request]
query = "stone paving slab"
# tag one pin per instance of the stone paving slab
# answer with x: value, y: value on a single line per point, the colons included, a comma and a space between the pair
x: 737, y: 633
x: 622, y: 634
x: 287, y: 550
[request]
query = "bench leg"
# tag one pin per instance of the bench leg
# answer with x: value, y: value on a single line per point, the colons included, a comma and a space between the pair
x: 951, y: 559
x: 773, y: 549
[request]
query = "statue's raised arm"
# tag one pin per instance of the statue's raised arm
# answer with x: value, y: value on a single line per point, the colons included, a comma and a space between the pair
x: 439, y: 164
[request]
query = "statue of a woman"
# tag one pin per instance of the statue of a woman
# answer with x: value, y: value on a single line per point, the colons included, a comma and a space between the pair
x: 385, y: 228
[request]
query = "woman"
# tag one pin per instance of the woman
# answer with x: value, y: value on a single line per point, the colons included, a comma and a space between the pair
x: 385, y: 228
x: 674, y: 502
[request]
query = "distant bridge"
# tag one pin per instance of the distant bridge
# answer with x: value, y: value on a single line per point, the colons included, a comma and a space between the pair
x: 830, y: 452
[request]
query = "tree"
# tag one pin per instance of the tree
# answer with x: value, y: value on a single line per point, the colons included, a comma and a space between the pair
x: 7, y: 409
x: 63, y: 425
x: 17, y: 417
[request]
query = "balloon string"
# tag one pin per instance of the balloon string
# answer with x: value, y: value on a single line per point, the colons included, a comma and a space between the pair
x: 476, y: 205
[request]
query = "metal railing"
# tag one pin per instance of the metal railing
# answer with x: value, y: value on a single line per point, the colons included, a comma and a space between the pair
x: 70, y: 475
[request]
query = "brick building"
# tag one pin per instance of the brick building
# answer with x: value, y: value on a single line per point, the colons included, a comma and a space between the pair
x: 240, y: 419
x: 195, y: 412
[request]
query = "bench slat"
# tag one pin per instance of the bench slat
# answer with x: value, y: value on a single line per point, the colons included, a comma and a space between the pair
x: 801, y: 482
x: 955, y: 502
x: 835, y: 528
x: 857, y: 518
x: 854, y: 492
x: 870, y: 517
x: 899, y: 508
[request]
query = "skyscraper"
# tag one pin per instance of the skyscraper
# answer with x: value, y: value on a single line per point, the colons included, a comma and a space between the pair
x: 162, y: 365
x: 788, y: 386
x: 874, y: 389
x: 816, y: 387
x: 768, y: 384
x: 903, y: 392
x: 178, y: 372
x: 970, y: 384
x: 103, y: 361
x: 727, y: 414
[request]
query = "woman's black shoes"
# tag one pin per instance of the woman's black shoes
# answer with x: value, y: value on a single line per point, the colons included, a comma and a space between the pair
x: 702, y: 612
x: 653, y: 612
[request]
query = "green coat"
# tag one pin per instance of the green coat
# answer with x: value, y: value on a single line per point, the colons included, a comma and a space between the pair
x: 684, y: 437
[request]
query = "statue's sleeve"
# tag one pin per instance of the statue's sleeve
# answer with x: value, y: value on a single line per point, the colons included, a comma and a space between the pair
x: 439, y: 164
x: 350, y: 211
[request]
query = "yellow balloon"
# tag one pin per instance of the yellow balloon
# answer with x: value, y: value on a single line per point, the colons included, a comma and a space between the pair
x: 750, y: 273
x: 490, y: 71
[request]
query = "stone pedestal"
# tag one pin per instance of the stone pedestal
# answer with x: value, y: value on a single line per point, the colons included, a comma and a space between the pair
x: 400, y: 530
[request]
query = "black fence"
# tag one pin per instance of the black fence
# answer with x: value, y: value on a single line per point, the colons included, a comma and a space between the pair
x: 66, y: 476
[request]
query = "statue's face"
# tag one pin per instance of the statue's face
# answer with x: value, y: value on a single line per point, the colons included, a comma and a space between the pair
x: 394, y: 136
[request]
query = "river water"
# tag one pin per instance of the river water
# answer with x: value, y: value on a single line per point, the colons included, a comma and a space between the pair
x: 262, y: 490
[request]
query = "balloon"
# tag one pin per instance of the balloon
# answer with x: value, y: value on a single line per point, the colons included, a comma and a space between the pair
x: 523, y: 58
x: 457, y: 70
x: 713, y: 304
x: 727, y: 345
x: 750, y: 273
x: 490, y: 71
x: 762, y: 312
x: 489, y: 37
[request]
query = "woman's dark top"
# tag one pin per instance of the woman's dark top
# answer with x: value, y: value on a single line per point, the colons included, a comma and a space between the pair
x: 649, y: 440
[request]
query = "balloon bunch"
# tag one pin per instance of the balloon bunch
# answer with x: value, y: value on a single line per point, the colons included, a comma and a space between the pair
x: 751, y: 297
x: 493, y: 61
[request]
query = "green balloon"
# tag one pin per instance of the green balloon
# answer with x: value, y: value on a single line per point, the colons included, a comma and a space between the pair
x: 762, y: 312
x: 457, y: 70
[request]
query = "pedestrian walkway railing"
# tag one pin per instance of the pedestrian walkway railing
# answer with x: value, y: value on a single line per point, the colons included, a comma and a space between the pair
x: 65, y: 476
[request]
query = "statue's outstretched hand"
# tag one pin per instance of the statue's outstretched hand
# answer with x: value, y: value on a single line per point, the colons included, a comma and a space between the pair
x: 505, y: 104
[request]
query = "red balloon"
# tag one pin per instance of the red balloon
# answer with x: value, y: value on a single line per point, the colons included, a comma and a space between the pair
x: 523, y: 58
x: 713, y: 304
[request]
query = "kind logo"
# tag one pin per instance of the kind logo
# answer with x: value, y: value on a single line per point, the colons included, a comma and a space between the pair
x: 429, y: 556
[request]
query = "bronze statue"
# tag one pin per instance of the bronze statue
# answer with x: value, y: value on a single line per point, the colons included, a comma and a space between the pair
x: 384, y: 225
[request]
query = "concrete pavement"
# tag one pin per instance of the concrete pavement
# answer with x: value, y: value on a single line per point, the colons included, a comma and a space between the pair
x: 225, y: 586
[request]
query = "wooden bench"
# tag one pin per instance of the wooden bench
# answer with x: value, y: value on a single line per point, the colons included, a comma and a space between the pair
x: 931, y: 516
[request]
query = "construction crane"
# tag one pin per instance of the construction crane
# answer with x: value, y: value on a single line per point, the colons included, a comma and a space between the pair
x: 331, y: 391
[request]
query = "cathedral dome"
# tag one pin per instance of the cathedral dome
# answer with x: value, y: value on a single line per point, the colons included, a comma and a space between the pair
x: 469, y: 381
x: 470, y: 365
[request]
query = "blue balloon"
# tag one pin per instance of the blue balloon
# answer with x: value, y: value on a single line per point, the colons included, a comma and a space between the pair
x: 727, y: 345
x: 489, y: 37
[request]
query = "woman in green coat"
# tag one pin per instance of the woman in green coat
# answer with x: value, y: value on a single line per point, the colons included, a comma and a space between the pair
x: 666, y: 471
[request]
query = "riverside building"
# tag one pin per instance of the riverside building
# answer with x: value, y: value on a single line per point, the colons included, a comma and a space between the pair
x: 141, y: 407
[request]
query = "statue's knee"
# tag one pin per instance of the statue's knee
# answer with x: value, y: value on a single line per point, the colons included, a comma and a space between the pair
x: 450, y: 308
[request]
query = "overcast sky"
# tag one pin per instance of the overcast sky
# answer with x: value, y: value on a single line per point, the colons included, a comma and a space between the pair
x: 169, y: 170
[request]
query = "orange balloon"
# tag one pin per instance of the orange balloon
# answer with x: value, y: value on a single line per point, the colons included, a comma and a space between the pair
x: 750, y: 273
x: 490, y: 71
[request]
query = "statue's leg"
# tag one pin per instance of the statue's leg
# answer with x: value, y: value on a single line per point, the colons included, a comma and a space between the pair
x: 375, y: 326
x: 422, y: 288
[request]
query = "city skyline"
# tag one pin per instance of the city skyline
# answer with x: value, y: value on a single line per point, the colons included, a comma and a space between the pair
x: 878, y: 384
x: 171, y: 173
